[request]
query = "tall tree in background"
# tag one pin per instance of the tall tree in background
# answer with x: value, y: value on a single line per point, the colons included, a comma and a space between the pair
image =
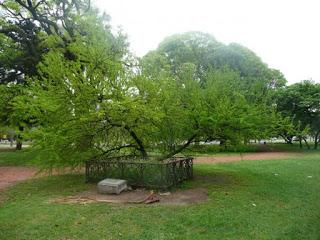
x: 301, y: 103
x: 206, y: 53
x: 237, y: 87
x: 230, y: 118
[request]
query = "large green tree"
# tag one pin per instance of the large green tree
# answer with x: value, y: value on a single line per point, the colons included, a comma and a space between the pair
x: 85, y: 113
x: 84, y: 96
x: 95, y: 103
x: 30, y: 30
x: 236, y: 87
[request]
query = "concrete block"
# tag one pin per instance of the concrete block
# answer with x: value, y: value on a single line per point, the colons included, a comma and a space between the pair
x: 109, y: 186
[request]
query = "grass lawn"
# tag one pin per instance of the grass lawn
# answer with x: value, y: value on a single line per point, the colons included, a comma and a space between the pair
x: 215, y: 150
x: 247, y: 200
x: 10, y: 157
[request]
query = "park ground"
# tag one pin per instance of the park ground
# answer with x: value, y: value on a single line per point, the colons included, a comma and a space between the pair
x: 275, y: 198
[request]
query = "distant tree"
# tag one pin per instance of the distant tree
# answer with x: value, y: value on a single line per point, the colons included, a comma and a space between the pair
x: 205, y: 53
x: 195, y: 48
x: 9, y: 118
x: 301, y: 103
x: 230, y: 117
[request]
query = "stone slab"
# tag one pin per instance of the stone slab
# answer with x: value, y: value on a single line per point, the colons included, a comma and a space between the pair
x: 112, y: 186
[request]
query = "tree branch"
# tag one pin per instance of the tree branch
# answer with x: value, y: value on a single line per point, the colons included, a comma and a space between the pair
x: 118, y: 148
x: 138, y: 141
x: 182, y: 147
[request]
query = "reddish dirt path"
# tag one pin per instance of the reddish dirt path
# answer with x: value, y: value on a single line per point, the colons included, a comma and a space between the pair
x: 179, y: 197
x: 246, y: 156
x: 12, y: 175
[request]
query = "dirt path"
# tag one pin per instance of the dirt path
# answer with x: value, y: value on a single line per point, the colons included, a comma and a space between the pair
x: 12, y: 175
x: 246, y: 156
x: 139, y: 196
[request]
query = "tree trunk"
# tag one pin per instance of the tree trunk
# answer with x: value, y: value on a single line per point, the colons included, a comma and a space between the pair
x: 197, y: 141
x: 138, y: 141
x: 306, y: 142
x: 300, y: 142
x: 316, y: 140
x: 287, y: 139
x: 223, y: 144
x: 19, y: 144
x: 19, y: 139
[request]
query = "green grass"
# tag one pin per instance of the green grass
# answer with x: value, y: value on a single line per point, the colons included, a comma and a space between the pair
x: 294, y: 147
x: 10, y: 157
x: 215, y: 150
x: 287, y: 206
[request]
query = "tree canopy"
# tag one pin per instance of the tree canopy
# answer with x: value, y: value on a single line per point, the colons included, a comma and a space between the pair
x: 73, y: 87
x: 205, y: 53
x: 301, y: 103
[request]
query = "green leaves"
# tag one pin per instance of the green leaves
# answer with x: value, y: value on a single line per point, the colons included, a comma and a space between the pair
x: 84, y: 95
x: 300, y: 102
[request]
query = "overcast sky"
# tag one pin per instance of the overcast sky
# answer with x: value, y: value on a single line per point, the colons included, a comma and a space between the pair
x: 284, y: 33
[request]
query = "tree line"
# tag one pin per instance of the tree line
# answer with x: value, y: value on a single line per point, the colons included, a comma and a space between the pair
x: 69, y: 83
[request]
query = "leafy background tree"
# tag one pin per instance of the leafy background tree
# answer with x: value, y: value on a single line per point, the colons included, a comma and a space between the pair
x: 301, y: 103
x: 232, y: 79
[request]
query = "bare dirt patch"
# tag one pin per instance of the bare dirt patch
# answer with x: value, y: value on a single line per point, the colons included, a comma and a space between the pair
x: 246, y: 156
x: 139, y: 196
x: 12, y: 175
